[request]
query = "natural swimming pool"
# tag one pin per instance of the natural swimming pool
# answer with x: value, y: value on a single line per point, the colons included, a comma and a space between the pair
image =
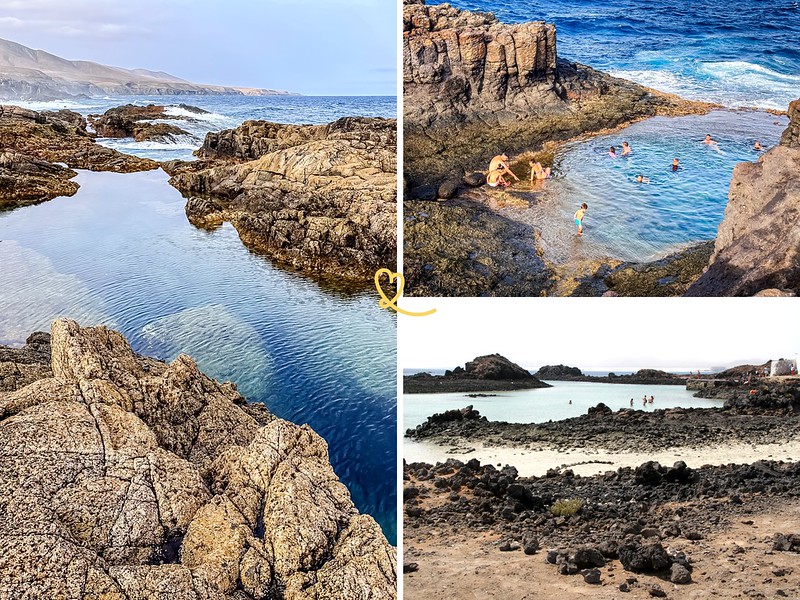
x: 121, y: 253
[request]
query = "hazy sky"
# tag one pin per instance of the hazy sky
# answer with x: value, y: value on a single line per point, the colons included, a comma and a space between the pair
x: 596, y: 334
x: 314, y: 47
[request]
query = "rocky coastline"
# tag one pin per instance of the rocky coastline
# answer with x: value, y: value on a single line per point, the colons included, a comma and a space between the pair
x: 473, y: 87
x: 133, y: 121
x: 320, y: 199
x: 641, y: 377
x: 650, y: 530
x: 130, y: 478
x: 490, y: 373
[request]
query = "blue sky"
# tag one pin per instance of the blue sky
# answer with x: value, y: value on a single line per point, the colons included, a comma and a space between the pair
x: 314, y: 47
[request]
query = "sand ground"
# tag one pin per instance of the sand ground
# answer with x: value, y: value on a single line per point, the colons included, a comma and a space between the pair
x: 736, y: 562
x: 532, y: 462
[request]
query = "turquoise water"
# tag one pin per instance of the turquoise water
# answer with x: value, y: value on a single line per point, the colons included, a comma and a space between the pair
x: 545, y: 404
x: 121, y: 253
x: 641, y: 222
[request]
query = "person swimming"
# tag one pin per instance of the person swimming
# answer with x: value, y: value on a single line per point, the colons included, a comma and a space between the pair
x: 626, y: 149
x: 675, y: 165
x: 612, y: 152
x: 757, y: 146
x: 642, y: 179
x: 579, y: 217
x: 709, y: 141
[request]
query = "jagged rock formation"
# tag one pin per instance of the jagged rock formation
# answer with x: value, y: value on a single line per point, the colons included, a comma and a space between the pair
x: 473, y: 86
x: 758, y: 242
x: 33, y: 141
x: 126, y: 478
x: 31, y: 74
x: 134, y: 121
x: 485, y: 373
x: 22, y: 366
x: 318, y: 198
x: 25, y: 180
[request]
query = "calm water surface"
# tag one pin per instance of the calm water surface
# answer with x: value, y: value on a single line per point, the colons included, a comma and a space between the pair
x: 121, y: 253
x: 546, y: 404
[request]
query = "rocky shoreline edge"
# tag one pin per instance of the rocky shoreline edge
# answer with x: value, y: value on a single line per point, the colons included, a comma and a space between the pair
x: 317, y: 199
x: 129, y: 478
x: 473, y: 87
x: 649, y: 529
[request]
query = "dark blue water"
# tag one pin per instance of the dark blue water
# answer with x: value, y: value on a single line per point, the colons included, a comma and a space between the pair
x: 121, y: 253
x: 226, y: 112
x: 741, y: 54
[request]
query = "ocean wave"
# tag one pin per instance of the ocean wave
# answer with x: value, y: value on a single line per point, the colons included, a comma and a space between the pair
x: 211, y: 117
x: 42, y: 105
x: 179, y: 142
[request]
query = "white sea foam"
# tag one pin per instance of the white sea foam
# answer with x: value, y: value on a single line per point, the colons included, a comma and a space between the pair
x: 730, y: 83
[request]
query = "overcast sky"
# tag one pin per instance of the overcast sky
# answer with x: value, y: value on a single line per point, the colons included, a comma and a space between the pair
x: 314, y: 47
x: 594, y: 334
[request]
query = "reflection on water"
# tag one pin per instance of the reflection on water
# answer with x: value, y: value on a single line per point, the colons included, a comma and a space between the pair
x: 643, y: 221
x: 545, y: 404
x: 121, y: 253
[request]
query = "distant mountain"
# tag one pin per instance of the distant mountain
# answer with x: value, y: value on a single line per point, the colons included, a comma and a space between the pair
x: 27, y: 74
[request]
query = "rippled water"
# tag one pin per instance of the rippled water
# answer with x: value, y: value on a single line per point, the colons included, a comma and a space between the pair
x: 545, y: 404
x: 640, y: 221
x: 737, y: 55
x: 121, y: 253
x: 224, y: 112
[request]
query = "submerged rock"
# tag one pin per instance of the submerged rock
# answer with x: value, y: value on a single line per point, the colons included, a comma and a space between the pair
x: 758, y: 242
x: 317, y: 198
x: 125, y: 477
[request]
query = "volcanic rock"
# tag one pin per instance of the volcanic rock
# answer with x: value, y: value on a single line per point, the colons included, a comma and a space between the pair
x: 758, y: 242
x: 490, y: 372
x: 317, y: 198
x: 133, y: 121
x: 26, y: 180
x: 125, y: 477
x: 22, y: 366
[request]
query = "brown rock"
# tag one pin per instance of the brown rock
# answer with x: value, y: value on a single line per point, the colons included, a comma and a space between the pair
x: 124, y: 477
x: 320, y: 199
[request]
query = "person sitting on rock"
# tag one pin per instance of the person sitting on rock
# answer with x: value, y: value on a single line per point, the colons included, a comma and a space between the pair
x: 495, y: 178
x: 626, y: 148
x: 501, y: 162
x: 537, y: 171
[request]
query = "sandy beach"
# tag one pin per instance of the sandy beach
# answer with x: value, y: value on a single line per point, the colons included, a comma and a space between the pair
x: 536, y: 461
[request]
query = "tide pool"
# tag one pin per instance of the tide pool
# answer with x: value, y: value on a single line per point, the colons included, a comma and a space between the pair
x: 121, y: 253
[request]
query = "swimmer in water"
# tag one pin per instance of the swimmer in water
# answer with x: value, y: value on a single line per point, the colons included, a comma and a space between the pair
x: 612, y: 152
x: 642, y: 179
x: 675, y: 166
x: 626, y: 149
x: 579, y: 217
x: 708, y: 141
x: 757, y: 146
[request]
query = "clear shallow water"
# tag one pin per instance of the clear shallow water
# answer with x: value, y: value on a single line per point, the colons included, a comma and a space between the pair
x: 745, y: 54
x: 640, y: 222
x: 121, y: 253
x: 225, y: 112
x: 545, y: 404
